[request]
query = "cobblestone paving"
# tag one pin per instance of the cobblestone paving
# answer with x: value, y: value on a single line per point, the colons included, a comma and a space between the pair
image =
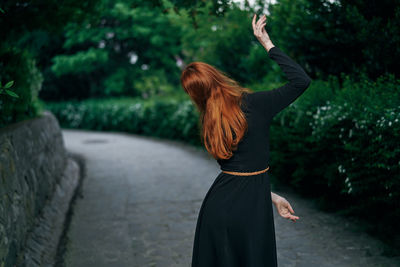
x: 140, y: 201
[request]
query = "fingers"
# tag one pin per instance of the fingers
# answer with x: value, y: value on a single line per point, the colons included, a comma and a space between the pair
x: 294, y: 218
x: 261, y: 29
x: 290, y: 217
x: 290, y: 208
x: 287, y: 215
x: 286, y: 210
x: 261, y: 20
x: 256, y: 25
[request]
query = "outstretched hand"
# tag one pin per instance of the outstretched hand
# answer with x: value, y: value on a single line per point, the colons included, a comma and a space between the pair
x: 260, y: 32
x: 285, y: 209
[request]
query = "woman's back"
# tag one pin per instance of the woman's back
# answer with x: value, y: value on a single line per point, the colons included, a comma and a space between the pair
x: 260, y: 107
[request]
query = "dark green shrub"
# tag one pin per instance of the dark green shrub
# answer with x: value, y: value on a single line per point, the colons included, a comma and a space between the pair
x: 345, y: 151
x: 18, y: 66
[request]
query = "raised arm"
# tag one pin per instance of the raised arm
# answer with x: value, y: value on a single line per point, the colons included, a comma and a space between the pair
x: 273, y: 101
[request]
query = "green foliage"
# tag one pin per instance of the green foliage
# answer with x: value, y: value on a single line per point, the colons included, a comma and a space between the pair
x: 26, y: 83
x: 6, y: 89
x: 20, y: 21
x: 331, y: 37
x: 124, y: 52
x: 225, y: 42
x: 101, y: 38
x: 345, y: 150
x: 19, y: 17
x: 154, y: 84
x: 159, y: 117
x: 327, y: 38
x: 115, y: 84
x: 82, y: 62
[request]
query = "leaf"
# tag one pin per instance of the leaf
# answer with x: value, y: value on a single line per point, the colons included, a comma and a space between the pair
x: 2, y: 11
x: 11, y: 93
x: 9, y: 84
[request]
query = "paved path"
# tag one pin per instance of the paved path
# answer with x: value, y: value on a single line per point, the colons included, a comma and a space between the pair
x: 141, y: 198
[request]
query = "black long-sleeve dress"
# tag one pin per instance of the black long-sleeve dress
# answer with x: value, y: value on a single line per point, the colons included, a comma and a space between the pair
x: 235, y: 226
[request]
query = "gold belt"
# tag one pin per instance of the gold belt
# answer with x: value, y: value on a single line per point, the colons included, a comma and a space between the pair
x: 246, y: 173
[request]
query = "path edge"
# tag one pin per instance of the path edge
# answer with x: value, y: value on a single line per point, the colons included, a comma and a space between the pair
x: 46, y: 244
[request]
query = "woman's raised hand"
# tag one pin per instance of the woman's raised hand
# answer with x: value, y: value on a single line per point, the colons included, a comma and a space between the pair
x: 260, y: 32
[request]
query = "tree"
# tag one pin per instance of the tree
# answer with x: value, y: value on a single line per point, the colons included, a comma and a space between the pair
x: 106, y: 57
x: 331, y: 37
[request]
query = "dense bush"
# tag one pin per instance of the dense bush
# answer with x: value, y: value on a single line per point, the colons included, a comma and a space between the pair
x: 345, y: 151
x: 18, y: 66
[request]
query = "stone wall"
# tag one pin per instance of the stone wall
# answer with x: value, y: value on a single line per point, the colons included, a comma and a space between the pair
x: 37, y: 181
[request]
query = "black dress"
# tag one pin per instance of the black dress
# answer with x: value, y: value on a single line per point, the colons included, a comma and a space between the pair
x: 235, y: 226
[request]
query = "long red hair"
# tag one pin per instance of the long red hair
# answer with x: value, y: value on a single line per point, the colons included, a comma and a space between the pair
x: 218, y: 99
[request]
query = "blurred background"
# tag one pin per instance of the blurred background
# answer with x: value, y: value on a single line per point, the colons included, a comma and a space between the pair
x: 114, y: 65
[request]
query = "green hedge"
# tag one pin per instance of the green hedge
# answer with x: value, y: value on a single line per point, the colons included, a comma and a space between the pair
x: 345, y: 151
x: 339, y: 145
x: 166, y: 118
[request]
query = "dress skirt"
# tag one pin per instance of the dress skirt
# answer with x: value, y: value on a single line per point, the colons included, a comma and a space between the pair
x: 235, y: 226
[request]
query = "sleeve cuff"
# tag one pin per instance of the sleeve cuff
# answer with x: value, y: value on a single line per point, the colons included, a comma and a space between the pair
x: 272, y: 50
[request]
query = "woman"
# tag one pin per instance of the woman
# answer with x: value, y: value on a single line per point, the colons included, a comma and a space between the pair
x: 235, y: 226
